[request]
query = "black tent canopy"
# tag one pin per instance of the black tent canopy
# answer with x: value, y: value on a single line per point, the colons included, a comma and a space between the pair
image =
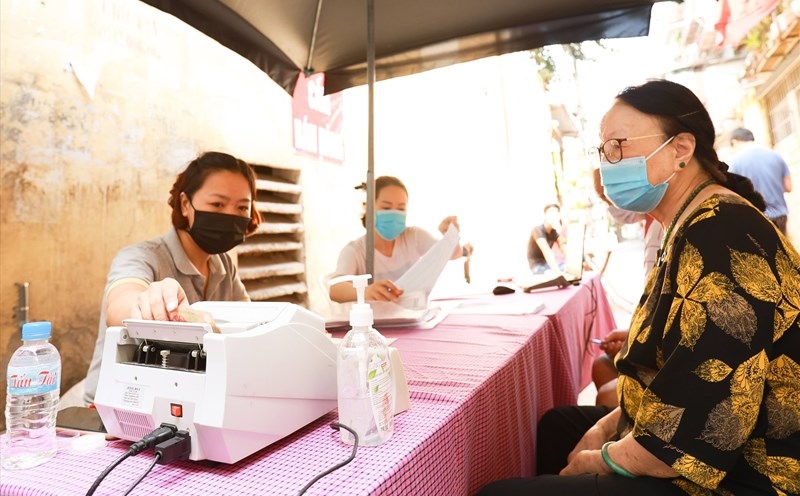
x: 285, y: 37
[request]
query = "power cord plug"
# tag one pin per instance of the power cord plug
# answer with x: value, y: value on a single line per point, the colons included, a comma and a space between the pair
x: 163, y: 433
x: 175, y: 449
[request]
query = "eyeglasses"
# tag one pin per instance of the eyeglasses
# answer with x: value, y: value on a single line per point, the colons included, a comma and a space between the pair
x: 611, y: 149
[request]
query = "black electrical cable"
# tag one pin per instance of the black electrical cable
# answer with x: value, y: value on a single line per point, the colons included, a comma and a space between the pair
x: 153, y: 464
x: 335, y: 425
x: 592, y: 316
x: 106, y: 472
x: 163, y: 433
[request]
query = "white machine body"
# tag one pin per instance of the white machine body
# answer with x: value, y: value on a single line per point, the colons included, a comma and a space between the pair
x: 270, y: 371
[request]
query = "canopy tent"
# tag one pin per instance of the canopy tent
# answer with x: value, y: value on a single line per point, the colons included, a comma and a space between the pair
x: 285, y: 37
x: 357, y: 42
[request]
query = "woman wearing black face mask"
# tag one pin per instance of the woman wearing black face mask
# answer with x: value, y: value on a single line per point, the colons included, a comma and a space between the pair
x: 212, y: 212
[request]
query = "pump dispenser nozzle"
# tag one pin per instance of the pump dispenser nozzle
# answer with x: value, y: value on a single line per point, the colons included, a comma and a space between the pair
x: 361, y: 313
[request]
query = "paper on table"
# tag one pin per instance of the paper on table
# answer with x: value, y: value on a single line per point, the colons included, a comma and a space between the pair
x: 388, y: 314
x: 418, y: 281
x: 499, y: 307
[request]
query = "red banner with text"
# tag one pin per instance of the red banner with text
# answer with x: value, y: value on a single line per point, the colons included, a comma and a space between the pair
x: 317, y: 120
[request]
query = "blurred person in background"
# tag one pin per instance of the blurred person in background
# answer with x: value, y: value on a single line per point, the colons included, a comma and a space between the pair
x: 768, y: 172
x: 541, y: 257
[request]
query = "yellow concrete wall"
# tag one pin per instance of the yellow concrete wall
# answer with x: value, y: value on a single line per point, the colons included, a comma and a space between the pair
x: 103, y: 102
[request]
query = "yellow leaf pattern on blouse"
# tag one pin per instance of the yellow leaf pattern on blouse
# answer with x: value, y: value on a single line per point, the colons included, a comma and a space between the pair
x: 698, y: 472
x: 783, y: 471
x: 657, y: 417
x: 632, y: 391
x: 732, y: 420
x: 691, y: 488
x: 637, y: 322
x: 691, y: 260
x: 788, y: 310
x: 753, y: 273
x: 747, y: 387
x: 713, y: 370
x: 787, y: 263
x: 785, y: 316
x: 712, y: 287
x: 783, y: 401
x: 693, y: 323
x: 710, y: 209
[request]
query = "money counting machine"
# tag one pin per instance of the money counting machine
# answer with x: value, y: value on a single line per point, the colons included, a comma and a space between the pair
x: 262, y: 372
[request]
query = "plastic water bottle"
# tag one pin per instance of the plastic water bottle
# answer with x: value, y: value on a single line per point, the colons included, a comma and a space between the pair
x: 364, y: 375
x: 34, y: 380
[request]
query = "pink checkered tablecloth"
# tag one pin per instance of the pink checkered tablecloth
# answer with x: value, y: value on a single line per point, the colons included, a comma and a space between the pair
x: 478, y: 384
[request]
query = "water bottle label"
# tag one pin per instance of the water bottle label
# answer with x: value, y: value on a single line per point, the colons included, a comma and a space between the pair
x: 32, y: 380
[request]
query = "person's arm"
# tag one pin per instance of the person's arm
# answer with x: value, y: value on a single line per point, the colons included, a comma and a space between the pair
x: 548, y: 253
x: 787, y: 184
x: 134, y: 298
x: 613, y: 341
x: 626, y: 453
x: 383, y: 290
x: 604, y: 430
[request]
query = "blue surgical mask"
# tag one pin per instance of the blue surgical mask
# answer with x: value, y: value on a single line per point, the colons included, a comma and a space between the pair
x: 626, y: 185
x: 390, y: 223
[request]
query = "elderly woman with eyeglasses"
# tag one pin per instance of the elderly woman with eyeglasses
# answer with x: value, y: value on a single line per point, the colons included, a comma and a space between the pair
x: 709, y: 384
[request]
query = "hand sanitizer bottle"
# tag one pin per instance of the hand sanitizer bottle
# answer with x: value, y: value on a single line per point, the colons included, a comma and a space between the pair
x: 364, y: 375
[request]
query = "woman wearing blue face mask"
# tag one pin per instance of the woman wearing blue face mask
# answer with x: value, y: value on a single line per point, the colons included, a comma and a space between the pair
x: 397, y: 246
x: 709, y: 376
x: 212, y: 212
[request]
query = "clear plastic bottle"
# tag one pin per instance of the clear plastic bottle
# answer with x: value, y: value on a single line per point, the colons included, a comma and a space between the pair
x: 364, y: 375
x: 33, y: 390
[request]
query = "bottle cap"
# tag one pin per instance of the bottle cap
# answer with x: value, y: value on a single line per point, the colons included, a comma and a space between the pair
x: 361, y: 312
x: 32, y: 331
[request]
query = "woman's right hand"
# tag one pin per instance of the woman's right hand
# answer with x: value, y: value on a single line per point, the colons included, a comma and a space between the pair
x: 383, y: 290
x: 160, y: 301
x: 593, y: 439
x: 613, y: 341
x: 601, y: 432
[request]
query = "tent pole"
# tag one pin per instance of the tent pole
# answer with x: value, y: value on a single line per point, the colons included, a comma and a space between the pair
x: 370, y: 214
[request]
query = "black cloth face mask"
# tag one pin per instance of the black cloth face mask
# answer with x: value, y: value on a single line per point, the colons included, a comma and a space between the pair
x: 217, y: 233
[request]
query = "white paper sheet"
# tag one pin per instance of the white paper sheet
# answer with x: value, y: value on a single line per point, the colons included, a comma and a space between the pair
x: 498, y: 306
x: 418, y: 281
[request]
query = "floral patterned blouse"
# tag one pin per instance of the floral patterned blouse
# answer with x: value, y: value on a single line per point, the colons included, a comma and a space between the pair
x: 710, y: 377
